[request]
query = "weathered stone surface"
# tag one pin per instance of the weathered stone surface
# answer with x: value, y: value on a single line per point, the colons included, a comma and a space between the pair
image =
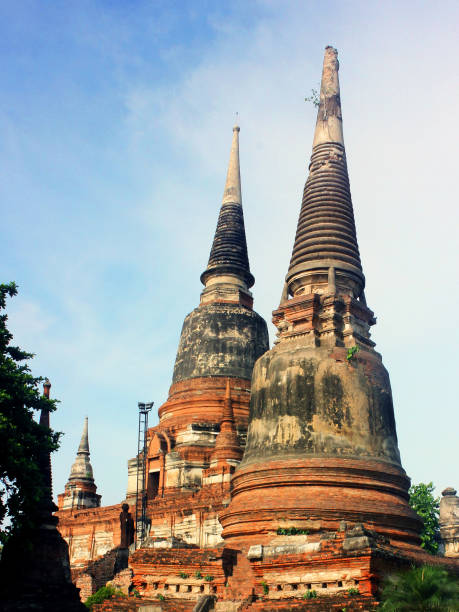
x: 220, y: 340
x: 291, y: 549
x: 356, y: 543
x: 305, y: 402
x: 449, y: 522
x: 255, y: 552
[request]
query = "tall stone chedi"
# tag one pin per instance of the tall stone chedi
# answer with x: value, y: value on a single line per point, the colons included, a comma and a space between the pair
x: 322, y: 444
x: 80, y: 490
x: 220, y: 341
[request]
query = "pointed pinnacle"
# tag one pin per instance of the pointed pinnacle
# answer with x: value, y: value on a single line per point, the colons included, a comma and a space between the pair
x: 84, y: 443
x: 329, y: 125
x: 232, y: 193
x: 228, y: 254
x: 228, y: 390
x: 228, y: 414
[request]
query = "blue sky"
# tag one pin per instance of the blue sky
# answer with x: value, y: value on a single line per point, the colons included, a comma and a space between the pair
x: 116, y: 127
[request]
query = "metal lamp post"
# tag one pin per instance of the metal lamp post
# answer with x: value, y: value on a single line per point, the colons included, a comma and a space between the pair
x: 141, y: 496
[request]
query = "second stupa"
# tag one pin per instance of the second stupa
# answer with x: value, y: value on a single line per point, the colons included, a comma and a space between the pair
x: 322, y: 444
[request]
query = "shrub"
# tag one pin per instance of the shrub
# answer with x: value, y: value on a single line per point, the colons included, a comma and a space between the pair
x: 421, y: 588
x: 208, y: 578
x: 197, y: 575
x: 353, y: 591
x: 105, y: 592
x: 352, y: 352
x: 265, y: 587
x: 291, y: 531
x: 427, y: 507
x: 310, y: 595
x: 183, y: 575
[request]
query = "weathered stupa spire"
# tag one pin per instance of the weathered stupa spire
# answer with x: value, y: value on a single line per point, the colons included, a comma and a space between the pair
x: 219, y: 343
x: 329, y: 125
x: 80, y: 490
x: 227, y: 446
x: 83, y: 449
x: 326, y: 235
x: 227, y: 276
x: 82, y: 468
x: 321, y: 442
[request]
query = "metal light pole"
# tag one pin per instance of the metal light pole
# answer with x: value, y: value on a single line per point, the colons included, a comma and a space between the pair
x: 141, y: 496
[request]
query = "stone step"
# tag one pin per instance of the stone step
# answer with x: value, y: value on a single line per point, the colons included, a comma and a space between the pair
x: 134, y: 604
x: 320, y: 604
x: 229, y: 606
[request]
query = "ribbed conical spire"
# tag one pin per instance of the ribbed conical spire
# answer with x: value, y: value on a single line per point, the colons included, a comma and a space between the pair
x: 326, y: 235
x: 81, y: 468
x: 229, y: 249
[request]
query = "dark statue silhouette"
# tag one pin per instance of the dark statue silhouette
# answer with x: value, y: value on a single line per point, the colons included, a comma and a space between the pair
x: 127, y: 527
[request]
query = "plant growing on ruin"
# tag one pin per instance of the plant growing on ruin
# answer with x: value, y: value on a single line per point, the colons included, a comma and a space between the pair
x: 427, y: 507
x: 22, y: 440
x: 160, y: 597
x: 291, y: 531
x: 314, y: 98
x: 197, y: 575
x: 208, y: 578
x: 311, y: 594
x: 265, y: 587
x: 105, y: 592
x: 421, y: 588
x: 351, y: 352
x: 353, y: 591
x: 183, y: 575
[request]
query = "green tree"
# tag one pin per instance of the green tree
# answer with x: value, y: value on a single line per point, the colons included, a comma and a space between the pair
x: 421, y: 588
x: 22, y: 440
x: 427, y: 507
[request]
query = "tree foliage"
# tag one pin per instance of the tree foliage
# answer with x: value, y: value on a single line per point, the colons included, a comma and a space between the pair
x: 427, y: 507
x: 22, y: 439
x: 421, y: 588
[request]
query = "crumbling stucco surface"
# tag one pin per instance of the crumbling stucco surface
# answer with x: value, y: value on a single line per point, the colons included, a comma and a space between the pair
x: 305, y: 402
x: 220, y: 340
